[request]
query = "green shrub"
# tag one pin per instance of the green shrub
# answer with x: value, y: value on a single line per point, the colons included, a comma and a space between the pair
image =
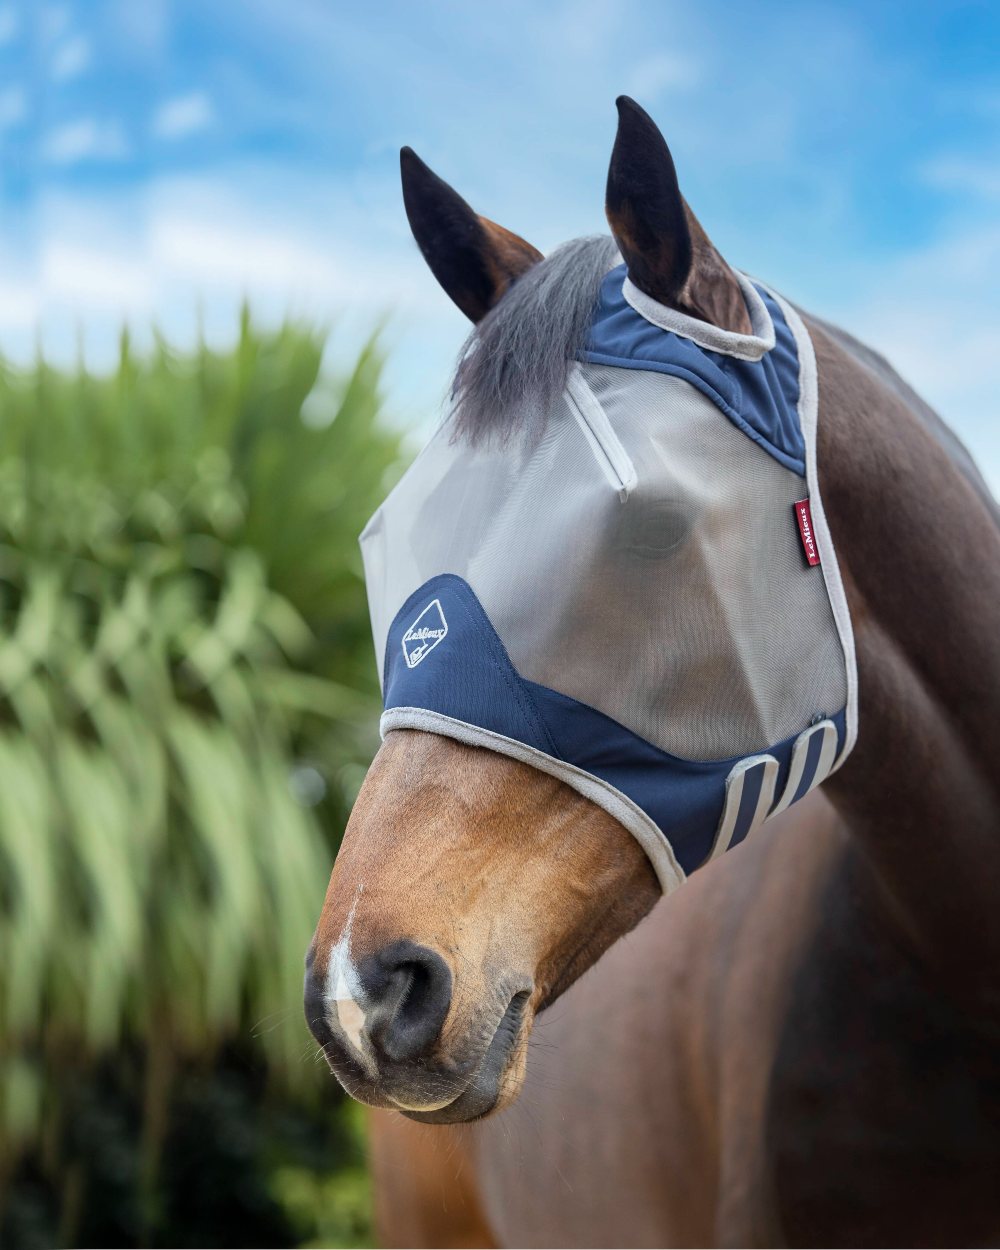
x: 187, y: 704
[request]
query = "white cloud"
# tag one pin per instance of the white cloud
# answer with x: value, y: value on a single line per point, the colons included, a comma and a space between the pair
x: 70, y: 58
x: 94, y: 279
x: 20, y: 307
x: 86, y: 139
x: 186, y: 250
x: 13, y: 108
x: 211, y: 252
x: 183, y: 115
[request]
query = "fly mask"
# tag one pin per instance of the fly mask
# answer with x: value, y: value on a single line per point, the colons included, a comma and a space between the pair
x: 644, y: 599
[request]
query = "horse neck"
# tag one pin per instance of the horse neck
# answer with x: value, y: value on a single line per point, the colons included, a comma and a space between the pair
x: 920, y: 552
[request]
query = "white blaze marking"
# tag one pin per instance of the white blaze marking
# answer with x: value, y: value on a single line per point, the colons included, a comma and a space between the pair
x: 343, y: 987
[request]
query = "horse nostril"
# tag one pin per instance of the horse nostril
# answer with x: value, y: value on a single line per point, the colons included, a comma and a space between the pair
x: 408, y: 988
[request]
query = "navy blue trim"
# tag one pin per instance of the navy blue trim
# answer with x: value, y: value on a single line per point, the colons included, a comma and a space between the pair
x: 760, y: 397
x: 469, y: 676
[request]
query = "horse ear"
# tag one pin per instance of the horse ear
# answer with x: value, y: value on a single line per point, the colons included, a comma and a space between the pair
x: 669, y: 256
x: 644, y: 206
x: 473, y: 258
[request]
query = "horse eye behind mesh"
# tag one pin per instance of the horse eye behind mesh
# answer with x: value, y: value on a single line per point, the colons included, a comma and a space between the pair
x: 654, y: 531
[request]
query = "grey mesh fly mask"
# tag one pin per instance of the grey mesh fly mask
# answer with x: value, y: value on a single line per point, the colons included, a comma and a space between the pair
x: 644, y: 600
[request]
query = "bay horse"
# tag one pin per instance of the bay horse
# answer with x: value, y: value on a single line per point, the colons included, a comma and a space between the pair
x: 800, y: 1046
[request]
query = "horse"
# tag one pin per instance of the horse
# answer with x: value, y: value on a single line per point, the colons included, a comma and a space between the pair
x: 799, y: 1046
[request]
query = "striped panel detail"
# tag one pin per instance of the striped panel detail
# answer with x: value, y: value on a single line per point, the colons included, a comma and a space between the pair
x: 749, y: 795
x: 813, y: 755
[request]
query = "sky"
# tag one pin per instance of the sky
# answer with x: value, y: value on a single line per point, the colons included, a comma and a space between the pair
x: 160, y: 159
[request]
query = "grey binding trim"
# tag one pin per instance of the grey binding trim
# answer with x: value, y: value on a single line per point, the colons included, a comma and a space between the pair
x: 616, y: 804
x: 800, y: 753
x: 809, y: 418
x: 734, y: 796
x: 714, y: 338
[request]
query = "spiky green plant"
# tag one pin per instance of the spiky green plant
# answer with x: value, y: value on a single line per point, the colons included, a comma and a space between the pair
x: 186, y: 699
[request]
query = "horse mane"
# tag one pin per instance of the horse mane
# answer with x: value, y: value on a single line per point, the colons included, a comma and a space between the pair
x: 512, y: 368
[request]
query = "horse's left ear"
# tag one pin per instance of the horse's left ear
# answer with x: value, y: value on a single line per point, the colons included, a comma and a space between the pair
x: 669, y: 256
x: 473, y: 258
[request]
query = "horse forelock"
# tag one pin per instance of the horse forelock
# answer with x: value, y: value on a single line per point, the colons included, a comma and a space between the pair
x: 513, y: 366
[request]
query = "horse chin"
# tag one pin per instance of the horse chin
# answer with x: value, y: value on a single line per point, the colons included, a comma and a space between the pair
x: 497, y: 1080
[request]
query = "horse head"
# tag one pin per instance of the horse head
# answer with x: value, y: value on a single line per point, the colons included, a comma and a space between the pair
x: 494, y: 852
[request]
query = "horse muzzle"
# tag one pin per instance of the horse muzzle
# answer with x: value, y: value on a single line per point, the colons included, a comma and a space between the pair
x: 384, y: 1028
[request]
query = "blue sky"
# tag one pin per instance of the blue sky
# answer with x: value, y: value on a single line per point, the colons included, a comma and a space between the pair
x: 159, y: 157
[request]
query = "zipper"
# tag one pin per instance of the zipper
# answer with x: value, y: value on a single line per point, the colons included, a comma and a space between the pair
x: 603, y: 441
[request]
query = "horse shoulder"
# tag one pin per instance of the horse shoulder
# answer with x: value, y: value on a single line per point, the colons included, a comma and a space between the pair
x: 882, y: 1121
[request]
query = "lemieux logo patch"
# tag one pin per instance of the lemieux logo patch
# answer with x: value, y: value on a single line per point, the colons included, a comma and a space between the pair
x: 424, y: 634
x: 803, y: 514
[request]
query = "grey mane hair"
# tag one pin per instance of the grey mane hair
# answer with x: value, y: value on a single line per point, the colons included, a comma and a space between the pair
x: 512, y: 368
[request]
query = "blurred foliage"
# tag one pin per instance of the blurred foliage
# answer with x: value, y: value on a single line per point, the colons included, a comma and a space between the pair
x: 331, y: 1209
x: 187, y: 704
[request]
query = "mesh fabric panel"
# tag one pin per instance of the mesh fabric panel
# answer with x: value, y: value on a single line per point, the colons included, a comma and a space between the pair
x: 681, y: 607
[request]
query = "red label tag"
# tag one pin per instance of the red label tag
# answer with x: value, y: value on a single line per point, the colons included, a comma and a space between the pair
x: 804, y: 518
